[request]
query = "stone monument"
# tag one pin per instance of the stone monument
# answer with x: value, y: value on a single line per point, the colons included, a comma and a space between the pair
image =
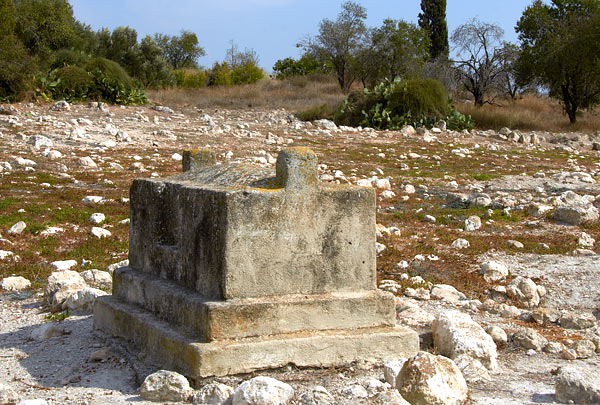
x: 234, y: 269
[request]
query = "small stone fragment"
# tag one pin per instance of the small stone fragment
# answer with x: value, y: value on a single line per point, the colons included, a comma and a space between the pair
x: 212, y: 394
x: 17, y: 228
x: 263, y: 391
x: 14, y: 283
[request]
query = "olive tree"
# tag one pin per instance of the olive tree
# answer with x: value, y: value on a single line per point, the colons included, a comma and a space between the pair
x: 339, y: 41
x: 181, y: 51
x: 560, y: 49
x: 480, y: 58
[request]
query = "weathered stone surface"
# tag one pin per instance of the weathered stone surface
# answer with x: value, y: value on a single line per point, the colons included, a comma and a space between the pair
x: 83, y: 300
x: 47, y: 331
x: 8, y: 396
x: 165, y: 385
x: 160, y: 341
x: 97, y: 278
x: 427, y: 379
x: 238, y: 207
x: 577, y: 214
x: 60, y: 284
x: 391, y: 397
x: 263, y: 391
x: 212, y: 394
x: 391, y: 370
x: 574, y: 320
x: 456, y: 334
x: 530, y: 339
x: 493, y: 271
x: 525, y: 291
x: 578, y: 384
x: 259, y: 271
x: 317, y: 395
x: 498, y: 335
x: 15, y: 283
x: 195, y: 159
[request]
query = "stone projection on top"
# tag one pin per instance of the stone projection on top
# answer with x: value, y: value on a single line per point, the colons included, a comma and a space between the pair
x: 235, y: 269
x: 234, y: 231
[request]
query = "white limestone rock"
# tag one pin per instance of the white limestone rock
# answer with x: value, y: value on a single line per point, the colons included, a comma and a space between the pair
x: 82, y: 300
x: 529, y: 339
x: 165, y: 385
x: 354, y: 391
x: 97, y: 218
x: 39, y: 142
x: 391, y: 370
x: 578, y: 385
x: 212, y: 394
x: 14, y: 283
x: 61, y: 265
x: 525, y: 291
x: 8, y: 396
x: 111, y: 268
x: 100, y: 232
x: 472, y: 223
x: 390, y: 397
x: 493, y: 271
x: 17, y: 228
x: 263, y: 391
x: 97, y: 278
x: 429, y: 379
x: 456, y: 334
x: 498, y: 335
x: 460, y: 243
x: 577, y: 214
x: 60, y: 285
x: 576, y: 320
x: 46, y: 331
x: 86, y: 162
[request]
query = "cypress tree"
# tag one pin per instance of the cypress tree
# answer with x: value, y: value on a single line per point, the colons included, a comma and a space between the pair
x: 433, y: 20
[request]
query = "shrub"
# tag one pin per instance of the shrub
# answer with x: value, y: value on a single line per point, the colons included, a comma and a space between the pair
x: 247, y: 73
x: 74, y: 83
x: 111, y: 70
x: 15, y: 65
x: 323, y: 111
x: 69, y: 57
x: 190, y: 78
x: 394, y: 104
x: 220, y: 75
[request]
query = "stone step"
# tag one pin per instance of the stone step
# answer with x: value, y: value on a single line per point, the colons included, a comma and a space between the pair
x: 176, y: 351
x: 241, y: 318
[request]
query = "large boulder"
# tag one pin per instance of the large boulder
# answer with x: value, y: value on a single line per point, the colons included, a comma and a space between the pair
x: 263, y: 391
x: 576, y: 214
x: 493, y: 271
x: 578, y: 385
x: 456, y: 334
x: 427, y: 379
x: 82, y: 300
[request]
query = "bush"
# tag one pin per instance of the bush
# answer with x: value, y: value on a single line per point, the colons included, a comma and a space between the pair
x: 15, y: 66
x: 190, y: 78
x: 247, y: 73
x: 394, y: 104
x: 102, y: 80
x: 69, y: 57
x: 220, y: 75
x: 320, y: 112
x: 111, y: 70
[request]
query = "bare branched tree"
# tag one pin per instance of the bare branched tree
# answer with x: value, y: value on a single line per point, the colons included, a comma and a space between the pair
x: 480, y: 61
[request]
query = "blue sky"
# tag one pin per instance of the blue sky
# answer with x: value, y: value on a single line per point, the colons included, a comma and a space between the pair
x: 271, y: 27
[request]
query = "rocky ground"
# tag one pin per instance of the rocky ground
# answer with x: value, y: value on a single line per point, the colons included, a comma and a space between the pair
x: 499, y: 226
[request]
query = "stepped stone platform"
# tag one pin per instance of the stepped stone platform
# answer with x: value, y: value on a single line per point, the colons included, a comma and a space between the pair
x: 235, y: 269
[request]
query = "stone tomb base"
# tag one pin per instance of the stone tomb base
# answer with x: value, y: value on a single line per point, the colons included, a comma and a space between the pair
x: 174, y: 351
x: 226, y: 340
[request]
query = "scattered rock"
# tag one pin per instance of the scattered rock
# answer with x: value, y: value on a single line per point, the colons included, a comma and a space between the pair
x: 574, y: 320
x: 429, y: 379
x: 165, y: 385
x: 60, y: 285
x: 17, y: 228
x: 354, y: 391
x: 15, y: 283
x: 472, y: 223
x: 529, y: 339
x: 263, y: 391
x: 212, y: 394
x: 493, y: 271
x: 82, y: 300
x: 460, y: 244
x: 577, y: 385
x: 525, y: 291
x: 100, y: 232
x: 456, y: 334
x: 47, y: 331
x: 97, y: 278
x: 60, y: 106
x: 61, y: 265
x: 8, y: 396
x: 498, y: 335
x: 391, y: 370
x: 97, y: 218
x: 318, y: 395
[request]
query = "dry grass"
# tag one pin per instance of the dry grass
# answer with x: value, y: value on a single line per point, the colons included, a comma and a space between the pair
x: 296, y: 94
x: 529, y: 113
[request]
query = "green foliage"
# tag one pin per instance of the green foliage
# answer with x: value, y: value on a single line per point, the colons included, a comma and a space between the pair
x: 396, y: 49
x: 320, y: 112
x: 69, y: 57
x: 339, y: 41
x: 306, y: 65
x: 102, y: 80
x: 15, y: 67
x: 560, y: 49
x: 247, y: 73
x: 7, y: 18
x: 220, y: 75
x: 190, y: 78
x: 58, y: 316
x: 180, y: 51
x: 44, y: 26
x: 394, y: 104
x: 433, y: 20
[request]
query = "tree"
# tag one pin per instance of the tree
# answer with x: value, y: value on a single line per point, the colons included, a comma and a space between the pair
x: 339, y: 41
x: 560, y: 49
x: 509, y: 82
x: 44, y: 26
x: 181, y: 51
x: 433, y: 20
x: 14, y: 61
x: 479, y: 46
x: 306, y: 65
